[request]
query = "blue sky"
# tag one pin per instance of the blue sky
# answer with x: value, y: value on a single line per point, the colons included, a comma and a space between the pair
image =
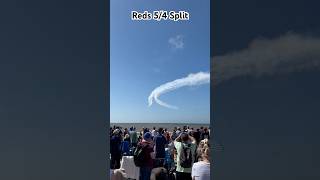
x: 142, y: 58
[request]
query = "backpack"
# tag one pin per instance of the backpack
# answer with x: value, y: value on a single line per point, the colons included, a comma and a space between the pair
x: 139, y: 155
x: 186, y: 156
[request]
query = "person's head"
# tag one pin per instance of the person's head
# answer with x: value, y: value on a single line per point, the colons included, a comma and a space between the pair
x: 116, y: 132
x: 201, y: 127
x: 184, y: 137
x: 172, y: 137
x: 154, y: 128
x: 160, y: 130
x: 147, y: 136
x: 191, y: 133
x: 203, y: 143
x: 205, y: 152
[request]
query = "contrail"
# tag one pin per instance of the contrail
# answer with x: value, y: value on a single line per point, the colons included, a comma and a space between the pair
x: 191, y: 80
x: 288, y: 53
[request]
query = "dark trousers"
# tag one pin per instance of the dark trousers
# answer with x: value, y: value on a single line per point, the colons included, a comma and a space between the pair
x: 133, y: 144
x: 145, y: 173
x: 158, y: 162
x: 115, y: 162
x: 183, y: 176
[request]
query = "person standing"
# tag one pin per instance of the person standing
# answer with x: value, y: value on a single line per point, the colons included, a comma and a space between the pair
x: 133, y: 137
x: 160, y: 143
x: 186, y: 148
x: 201, y: 169
x: 205, y: 134
x: 197, y: 135
x: 153, y: 132
x: 146, y: 164
x: 125, y: 145
x: 174, y: 134
x: 115, y: 149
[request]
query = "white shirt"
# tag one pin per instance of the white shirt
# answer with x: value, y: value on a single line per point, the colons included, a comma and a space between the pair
x: 201, y: 170
x: 131, y: 170
x: 153, y: 132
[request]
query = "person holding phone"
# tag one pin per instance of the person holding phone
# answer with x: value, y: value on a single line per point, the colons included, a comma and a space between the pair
x: 186, y: 148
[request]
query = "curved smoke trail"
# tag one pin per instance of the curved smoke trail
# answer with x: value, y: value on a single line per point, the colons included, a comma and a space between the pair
x: 191, y: 80
x: 264, y: 57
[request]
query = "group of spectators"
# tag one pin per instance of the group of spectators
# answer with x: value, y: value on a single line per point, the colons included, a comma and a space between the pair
x: 179, y: 154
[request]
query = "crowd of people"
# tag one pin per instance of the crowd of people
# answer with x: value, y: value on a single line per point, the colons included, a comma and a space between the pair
x: 179, y: 154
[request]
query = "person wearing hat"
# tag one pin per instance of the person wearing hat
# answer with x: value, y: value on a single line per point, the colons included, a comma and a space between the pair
x: 147, y: 164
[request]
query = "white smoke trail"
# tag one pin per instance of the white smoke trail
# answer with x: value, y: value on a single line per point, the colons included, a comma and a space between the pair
x: 264, y: 57
x: 191, y: 80
x: 285, y: 54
